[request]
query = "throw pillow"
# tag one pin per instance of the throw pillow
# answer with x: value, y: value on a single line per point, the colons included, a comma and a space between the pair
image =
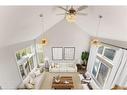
x: 37, y: 73
x: 52, y: 65
x: 32, y: 75
x: 31, y: 81
x: 29, y: 86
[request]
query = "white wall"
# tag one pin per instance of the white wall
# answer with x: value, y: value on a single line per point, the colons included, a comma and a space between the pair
x: 65, y: 34
x: 9, y: 73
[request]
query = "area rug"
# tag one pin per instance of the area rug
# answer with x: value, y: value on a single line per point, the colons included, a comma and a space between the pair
x: 47, y: 83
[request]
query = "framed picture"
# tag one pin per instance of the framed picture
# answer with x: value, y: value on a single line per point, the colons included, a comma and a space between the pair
x: 69, y: 53
x: 57, y: 53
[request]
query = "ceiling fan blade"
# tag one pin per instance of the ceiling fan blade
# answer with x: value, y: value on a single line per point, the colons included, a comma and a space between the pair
x: 61, y: 14
x: 82, y: 14
x: 67, y: 7
x: 63, y: 8
x: 81, y: 8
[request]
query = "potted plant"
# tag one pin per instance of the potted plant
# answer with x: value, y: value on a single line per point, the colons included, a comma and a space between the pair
x: 18, y: 56
x: 84, y: 57
x: 24, y: 52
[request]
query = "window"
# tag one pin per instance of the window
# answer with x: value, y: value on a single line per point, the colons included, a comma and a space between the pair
x: 102, y: 74
x: 95, y: 67
x: 31, y: 63
x: 25, y: 61
x: 109, y: 53
x: 57, y: 53
x: 22, y: 71
x: 106, y: 64
x: 100, y: 71
x: 69, y: 53
x: 40, y: 53
x: 103, y: 64
x: 24, y: 52
x: 27, y: 68
x: 63, y: 53
x: 100, y: 49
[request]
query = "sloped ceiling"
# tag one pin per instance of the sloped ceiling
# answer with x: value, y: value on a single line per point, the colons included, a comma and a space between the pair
x: 113, y: 24
x: 22, y: 23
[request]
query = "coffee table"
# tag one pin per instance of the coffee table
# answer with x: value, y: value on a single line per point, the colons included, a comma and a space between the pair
x: 62, y: 84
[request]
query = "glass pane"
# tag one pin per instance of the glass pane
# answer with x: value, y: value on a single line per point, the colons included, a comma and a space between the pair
x: 109, y: 53
x: 27, y: 68
x: 18, y: 56
x: 31, y: 63
x: 69, y: 53
x: 23, y: 52
x: 39, y: 48
x: 22, y: 71
x: 100, y: 49
x: 40, y: 53
x: 57, y: 53
x: 40, y: 57
x: 102, y: 75
x: 28, y: 50
x: 95, y: 67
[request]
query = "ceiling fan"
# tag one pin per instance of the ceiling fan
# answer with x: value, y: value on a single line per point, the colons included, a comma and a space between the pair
x: 71, y: 12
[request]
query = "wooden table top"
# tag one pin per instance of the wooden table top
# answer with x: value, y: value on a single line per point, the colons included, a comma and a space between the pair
x: 62, y: 84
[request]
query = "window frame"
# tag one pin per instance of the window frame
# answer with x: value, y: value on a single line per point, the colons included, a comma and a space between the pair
x: 61, y: 55
x: 73, y: 53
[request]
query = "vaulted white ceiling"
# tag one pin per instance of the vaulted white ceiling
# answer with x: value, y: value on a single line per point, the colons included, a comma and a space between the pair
x: 22, y: 23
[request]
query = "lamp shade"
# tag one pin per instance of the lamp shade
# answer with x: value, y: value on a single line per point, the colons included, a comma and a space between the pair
x: 71, y: 18
x: 96, y: 42
x: 44, y: 41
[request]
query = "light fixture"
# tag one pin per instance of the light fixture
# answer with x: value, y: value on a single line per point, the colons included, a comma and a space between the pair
x: 96, y: 41
x: 71, y: 15
x: 71, y: 18
x: 43, y: 40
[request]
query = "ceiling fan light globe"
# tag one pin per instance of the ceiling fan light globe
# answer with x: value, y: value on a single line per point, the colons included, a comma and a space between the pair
x: 71, y: 17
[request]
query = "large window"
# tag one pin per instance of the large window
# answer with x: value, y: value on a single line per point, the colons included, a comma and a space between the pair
x: 40, y: 53
x: 100, y: 71
x: 103, y: 64
x: 63, y: 53
x: 25, y: 61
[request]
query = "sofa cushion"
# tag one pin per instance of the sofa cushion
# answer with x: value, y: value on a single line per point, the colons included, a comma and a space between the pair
x: 39, y: 79
x: 29, y: 86
x: 30, y: 83
x: 70, y: 69
x: 64, y: 67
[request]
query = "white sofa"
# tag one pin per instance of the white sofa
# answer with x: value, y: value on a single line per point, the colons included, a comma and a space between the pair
x: 37, y: 78
x: 63, y: 67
